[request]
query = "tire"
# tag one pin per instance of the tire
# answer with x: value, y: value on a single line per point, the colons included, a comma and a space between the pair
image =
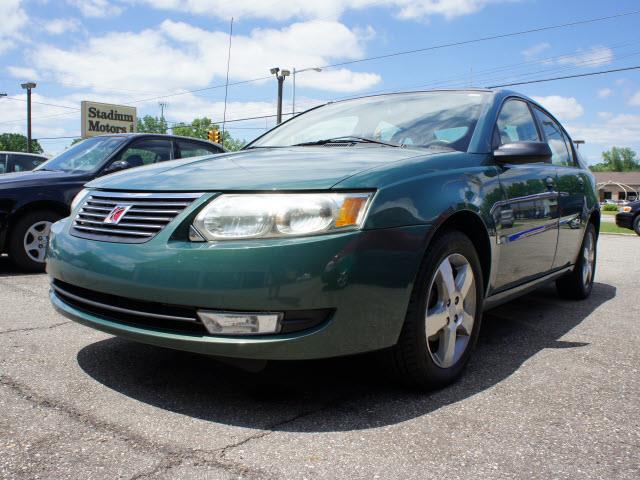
x: 422, y: 362
x: 26, y: 231
x: 578, y: 284
x: 636, y: 224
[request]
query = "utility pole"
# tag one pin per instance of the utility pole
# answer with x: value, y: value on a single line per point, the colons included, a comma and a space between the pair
x: 28, y: 87
x: 280, y: 77
x: 162, y: 107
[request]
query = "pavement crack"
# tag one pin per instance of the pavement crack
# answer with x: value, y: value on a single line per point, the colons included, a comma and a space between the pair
x: 30, y: 329
x: 171, y: 457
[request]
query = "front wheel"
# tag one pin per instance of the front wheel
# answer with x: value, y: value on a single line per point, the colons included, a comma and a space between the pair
x: 578, y: 284
x: 636, y: 224
x: 443, y: 319
x: 29, y: 238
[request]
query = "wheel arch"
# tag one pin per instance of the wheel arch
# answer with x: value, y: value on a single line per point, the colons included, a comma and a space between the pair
x: 471, y: 224
x: 58, y: 207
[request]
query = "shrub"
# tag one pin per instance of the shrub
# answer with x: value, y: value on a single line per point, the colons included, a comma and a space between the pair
x: 610, y: 208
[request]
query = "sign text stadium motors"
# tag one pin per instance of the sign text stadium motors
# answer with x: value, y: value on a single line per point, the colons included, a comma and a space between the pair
x: 103, y: 118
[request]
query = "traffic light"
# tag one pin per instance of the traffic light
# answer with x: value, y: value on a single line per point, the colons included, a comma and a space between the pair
x: 214, y: 136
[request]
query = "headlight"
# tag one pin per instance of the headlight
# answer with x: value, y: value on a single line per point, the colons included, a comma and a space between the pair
x: 241, y: 216
x: 78, y: 198
x: 625, y: 209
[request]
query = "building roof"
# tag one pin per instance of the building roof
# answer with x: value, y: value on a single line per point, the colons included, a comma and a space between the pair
x: 627, y: 178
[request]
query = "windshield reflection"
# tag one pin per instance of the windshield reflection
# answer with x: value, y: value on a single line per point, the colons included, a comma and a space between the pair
x: 444, y: 119
x: 85, y: 156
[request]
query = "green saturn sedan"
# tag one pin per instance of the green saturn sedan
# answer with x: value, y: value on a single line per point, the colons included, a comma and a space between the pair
x: 386, y: 223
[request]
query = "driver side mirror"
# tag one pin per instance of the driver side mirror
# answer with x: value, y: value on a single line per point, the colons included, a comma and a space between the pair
x: 117, y: 166
x: 523, y: 152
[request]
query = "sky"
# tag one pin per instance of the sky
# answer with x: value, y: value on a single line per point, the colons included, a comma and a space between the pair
x: 143, y: 52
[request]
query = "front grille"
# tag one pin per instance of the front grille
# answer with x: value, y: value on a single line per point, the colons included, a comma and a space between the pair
x: 165, y: 317
x: 146, y: 214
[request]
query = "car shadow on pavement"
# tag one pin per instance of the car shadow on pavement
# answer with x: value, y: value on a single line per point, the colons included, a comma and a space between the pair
x: 336, y: 394
x: 9, y: 269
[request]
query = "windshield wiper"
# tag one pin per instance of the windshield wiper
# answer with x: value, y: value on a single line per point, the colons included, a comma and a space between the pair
x: 345, y: 139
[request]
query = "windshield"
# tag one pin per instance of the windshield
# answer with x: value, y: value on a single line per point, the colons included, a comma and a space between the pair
x: 444, y: 119
x: 85, y: 156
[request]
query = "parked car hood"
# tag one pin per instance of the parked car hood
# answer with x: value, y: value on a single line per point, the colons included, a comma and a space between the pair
x: 32, y: 178
x: 289, y: 168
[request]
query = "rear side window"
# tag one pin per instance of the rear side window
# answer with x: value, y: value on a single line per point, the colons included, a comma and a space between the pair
x: 515, y: 124
x: 146, y: 152
x: 193, y: 149
x: 556, y: 140
x: 22, y: 163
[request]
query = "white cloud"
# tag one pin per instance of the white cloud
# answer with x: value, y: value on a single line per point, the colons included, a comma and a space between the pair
x: 613, y: 129
x: 313, y: 9
x: 595, y: 56
x: 13, y: 20
x: 178, y: 56
x: 605, y: 93
x: 23, y: 73
x: 635, y: 100
x: 59, y: 26
x: 564, y: 108
x: 536, y: 50
x: 96, y: 8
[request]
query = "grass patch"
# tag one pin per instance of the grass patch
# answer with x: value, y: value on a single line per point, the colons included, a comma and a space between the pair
x: 608, y: 227
x: 607, y: 212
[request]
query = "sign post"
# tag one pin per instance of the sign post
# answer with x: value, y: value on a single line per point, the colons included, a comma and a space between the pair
x: 104, y: 118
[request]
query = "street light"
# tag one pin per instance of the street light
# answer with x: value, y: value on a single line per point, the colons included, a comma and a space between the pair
x: 280, y: 76
x: 315, y: 69
x: 578, y: 143
x: 28, y: 87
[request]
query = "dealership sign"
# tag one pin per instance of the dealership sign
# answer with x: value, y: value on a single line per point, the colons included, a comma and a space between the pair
x: 104, y: 118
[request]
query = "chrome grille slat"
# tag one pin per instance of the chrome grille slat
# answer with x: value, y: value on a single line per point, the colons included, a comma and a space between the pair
x: 113, y: 231
x: 148, y: 214
x: 123, y: 224
x: 144, y: 204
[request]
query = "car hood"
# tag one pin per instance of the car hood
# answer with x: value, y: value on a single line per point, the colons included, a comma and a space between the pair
x: 289, y: 168
x: 31, y: 178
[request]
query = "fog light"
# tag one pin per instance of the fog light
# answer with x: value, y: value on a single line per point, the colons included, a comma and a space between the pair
x: 240, y: 323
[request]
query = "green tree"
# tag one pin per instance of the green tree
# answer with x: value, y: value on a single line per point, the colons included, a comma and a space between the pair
x: 617, y: 160
x: 15, y: 142
x: 199, y: 128
x: 149, y: 124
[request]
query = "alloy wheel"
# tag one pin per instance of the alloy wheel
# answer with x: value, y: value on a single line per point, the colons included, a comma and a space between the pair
x: 451, y: 310
x: 588, y: 259
x: 36, y: 239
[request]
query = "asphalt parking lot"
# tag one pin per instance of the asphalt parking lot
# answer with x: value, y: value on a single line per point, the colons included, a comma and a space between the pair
x: 552, y: 392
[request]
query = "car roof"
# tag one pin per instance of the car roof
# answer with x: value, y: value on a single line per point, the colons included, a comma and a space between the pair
x: 24, y: 153
x: 165, y: 135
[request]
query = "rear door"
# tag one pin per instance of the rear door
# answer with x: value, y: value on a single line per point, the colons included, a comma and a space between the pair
x: 571, y: 187
x: 527, y: 220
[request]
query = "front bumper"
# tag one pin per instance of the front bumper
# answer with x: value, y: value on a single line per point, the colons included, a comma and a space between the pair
x: 625, y: 220
x: 365, y: 277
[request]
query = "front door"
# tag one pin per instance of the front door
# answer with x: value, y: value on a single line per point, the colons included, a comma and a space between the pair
x: 527, y: 218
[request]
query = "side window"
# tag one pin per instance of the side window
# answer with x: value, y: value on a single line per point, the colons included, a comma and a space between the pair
x: 515, y: 124
x: 146, y: 152
x: 555, y: 139
x: 193, y: 149
x: 567, y: 142
x: 22, y: 163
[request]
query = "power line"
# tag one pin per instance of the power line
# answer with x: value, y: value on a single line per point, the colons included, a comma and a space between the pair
x: 42, y: 103
x: 484, y: 39
x: 541, y: 80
